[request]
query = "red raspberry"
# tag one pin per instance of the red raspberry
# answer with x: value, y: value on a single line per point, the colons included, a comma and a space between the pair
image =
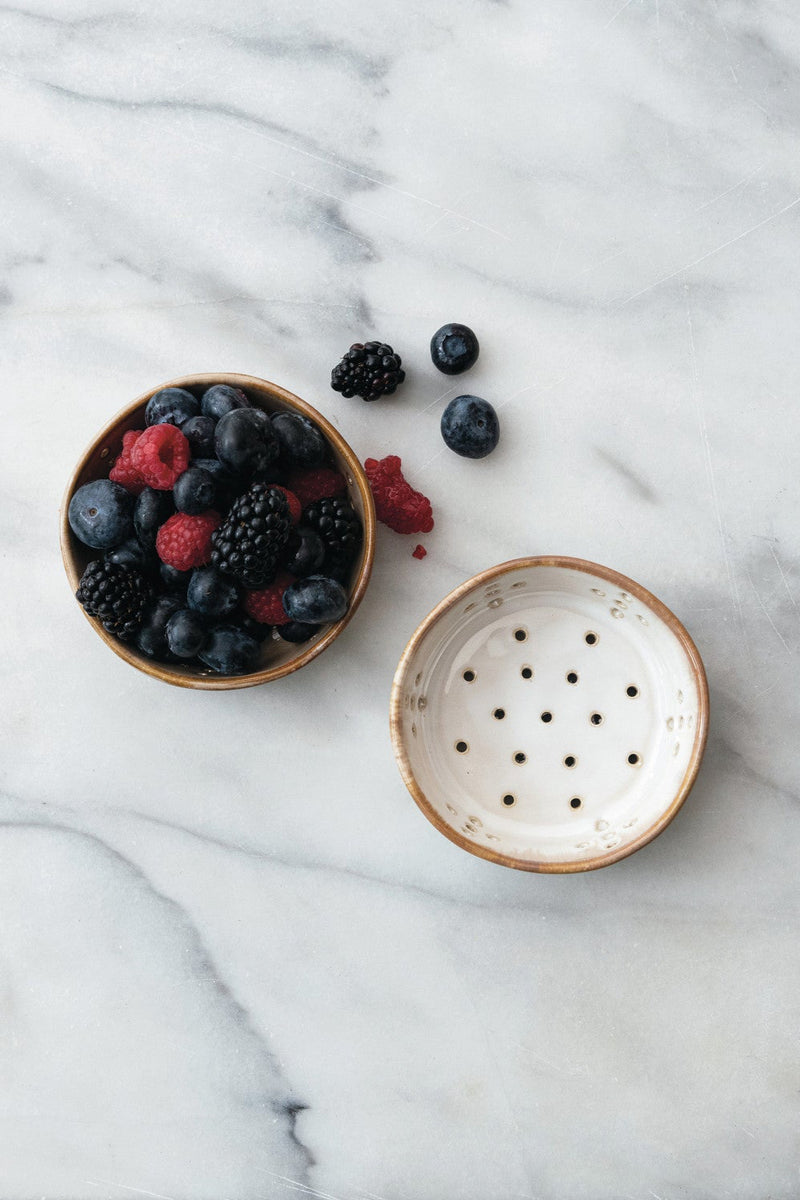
x: 418, y: 552
x: 184, y: 542
x: 396, y: 502
x: 266, y: 604
x: 160, y: 455
x: 318, y: 484
x: 123, y: 470
x: 295, y: 507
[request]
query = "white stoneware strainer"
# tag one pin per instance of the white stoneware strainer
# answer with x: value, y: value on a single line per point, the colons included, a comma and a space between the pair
x: 550, y: 714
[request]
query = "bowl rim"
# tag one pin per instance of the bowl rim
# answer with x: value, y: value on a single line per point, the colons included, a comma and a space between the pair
x: 223, y: 683
x: 624, y: 583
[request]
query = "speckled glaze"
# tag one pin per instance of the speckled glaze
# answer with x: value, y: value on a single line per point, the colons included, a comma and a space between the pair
x: 550, y: 715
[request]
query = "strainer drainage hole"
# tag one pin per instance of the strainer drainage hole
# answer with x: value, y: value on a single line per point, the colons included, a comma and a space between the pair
x: 521, y: 635
x: 508, y: 800
x: 469, y: 676
x: 591, y: 639
x: 632, y: 690
x: 547, y: 717
x: 572, y: 677
x: 527, y: 672
x: 575, y: 802
x: 520, y: 757
x: 498, y: 714
x: 570, y: 760
x: 634, y: 759
x: 462, y: 747
x: 596, y: 718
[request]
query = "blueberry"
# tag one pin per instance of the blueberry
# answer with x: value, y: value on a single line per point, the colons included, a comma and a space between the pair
x: 297, y: 631
x: 186, y: 633
x: 194, y: 491
x: 174, y: 579
x: 315, y: 600
x: 301, y: 443
x: 101, y: 514
x: 230, y: 651
x: 306, y: 552
x: 152, y: 637
x: 211, y: 594
x: 199, y: 433
x: 221, y: 399
x: 133, y: 554
x: 454, y: 348
x: 151, y: 510
x: 470, y: 426
x: 247, y: 624
x: 171, y: 406
x: 244, y: 441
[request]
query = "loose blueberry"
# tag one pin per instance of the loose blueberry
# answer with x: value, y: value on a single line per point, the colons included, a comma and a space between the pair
x: 301, y: 443
x: 199, y: 433
x: 132, y: 553
x: 194, y: 491
x: 454, y: 348
x: 175, y: 580
x: 221, y: 399
x: 151, y: 510
x: 297, y: 631
x: 171, y: 406
x: 101, y: 514
x: 211, y: 594
x: 245, y: 442
x: 470, y: 426
x: 306, y: 553
x: 186, y: 633
x: 152, y: 637
x: 230, y: 651
x: 316, y: 600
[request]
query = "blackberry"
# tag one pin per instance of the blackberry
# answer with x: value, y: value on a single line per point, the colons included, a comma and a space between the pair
x: 116, y: 595
x: 370, y: 370
x: 249, y: 541
x: 337, y: 523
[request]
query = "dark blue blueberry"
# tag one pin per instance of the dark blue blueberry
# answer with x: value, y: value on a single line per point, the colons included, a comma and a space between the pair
x: 470, y: 426
x: 199, y: 433
x: 244, y: 441
x: 211, y: 594
x: 230, y: 651
x: 151, y: 510
x: 171, y: 406
x: 315, y: 600
x: 306, y: 553
x: 301, y: 443
x: 186, y: 633
x: 194, y: 491
x: 454, y: 348
x: 221, y: 399
x: 101, y: 514
x: 174, y: 579
x: 297, y: 631
x: 133, y: 554
x: 152, y: 637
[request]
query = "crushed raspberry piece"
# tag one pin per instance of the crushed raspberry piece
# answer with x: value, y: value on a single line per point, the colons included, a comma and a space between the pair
x: 183, y: 541
x: 319, y: 484
x: 418, y: 552
x: 123, y: 470
x: 160, y: 455
x: 397, y: 504
x: 266, y: 604
x: 295, y: 507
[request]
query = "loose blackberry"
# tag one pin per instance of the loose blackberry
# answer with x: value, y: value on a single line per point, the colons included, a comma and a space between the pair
x: 249, y: 541
x: 337, y: 524
x: 370, y: 371
x: 116, y: 595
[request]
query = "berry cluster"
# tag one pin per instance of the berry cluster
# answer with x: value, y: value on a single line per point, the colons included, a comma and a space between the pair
x: 219, y: 525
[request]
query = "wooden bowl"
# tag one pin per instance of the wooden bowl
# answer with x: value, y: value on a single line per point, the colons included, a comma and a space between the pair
x: 280, y: 658
x: 550, y: 714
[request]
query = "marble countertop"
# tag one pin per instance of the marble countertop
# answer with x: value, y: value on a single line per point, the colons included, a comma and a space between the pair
x: 235, y: 960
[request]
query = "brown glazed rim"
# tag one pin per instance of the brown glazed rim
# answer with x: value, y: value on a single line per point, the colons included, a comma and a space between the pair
x: 626, y: 584
x: 263, y: 389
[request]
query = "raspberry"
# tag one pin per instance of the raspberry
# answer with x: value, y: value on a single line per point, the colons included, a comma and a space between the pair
x: 396, y: 503
x: 295, y: 507
x: 184, y: 542
x: 319, y: 484
x: 123, y: 470
x: 266, y: 604
x: 418, y: 552
x: 160, y: 455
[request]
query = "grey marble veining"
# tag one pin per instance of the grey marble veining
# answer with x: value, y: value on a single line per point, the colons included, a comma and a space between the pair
x: 234, y: 967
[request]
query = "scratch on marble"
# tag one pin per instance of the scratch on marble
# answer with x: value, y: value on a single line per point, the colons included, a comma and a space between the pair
x: 783, y: 577
x: 778, y: 633
x: 297, y: 1185
x: 618, y: 13
x: 128, y: 1188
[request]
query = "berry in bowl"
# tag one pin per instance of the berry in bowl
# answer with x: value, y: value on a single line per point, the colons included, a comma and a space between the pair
x: 218, y: 533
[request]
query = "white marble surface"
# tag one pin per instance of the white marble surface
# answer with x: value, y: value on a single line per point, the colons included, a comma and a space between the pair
x: 235, y: 961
